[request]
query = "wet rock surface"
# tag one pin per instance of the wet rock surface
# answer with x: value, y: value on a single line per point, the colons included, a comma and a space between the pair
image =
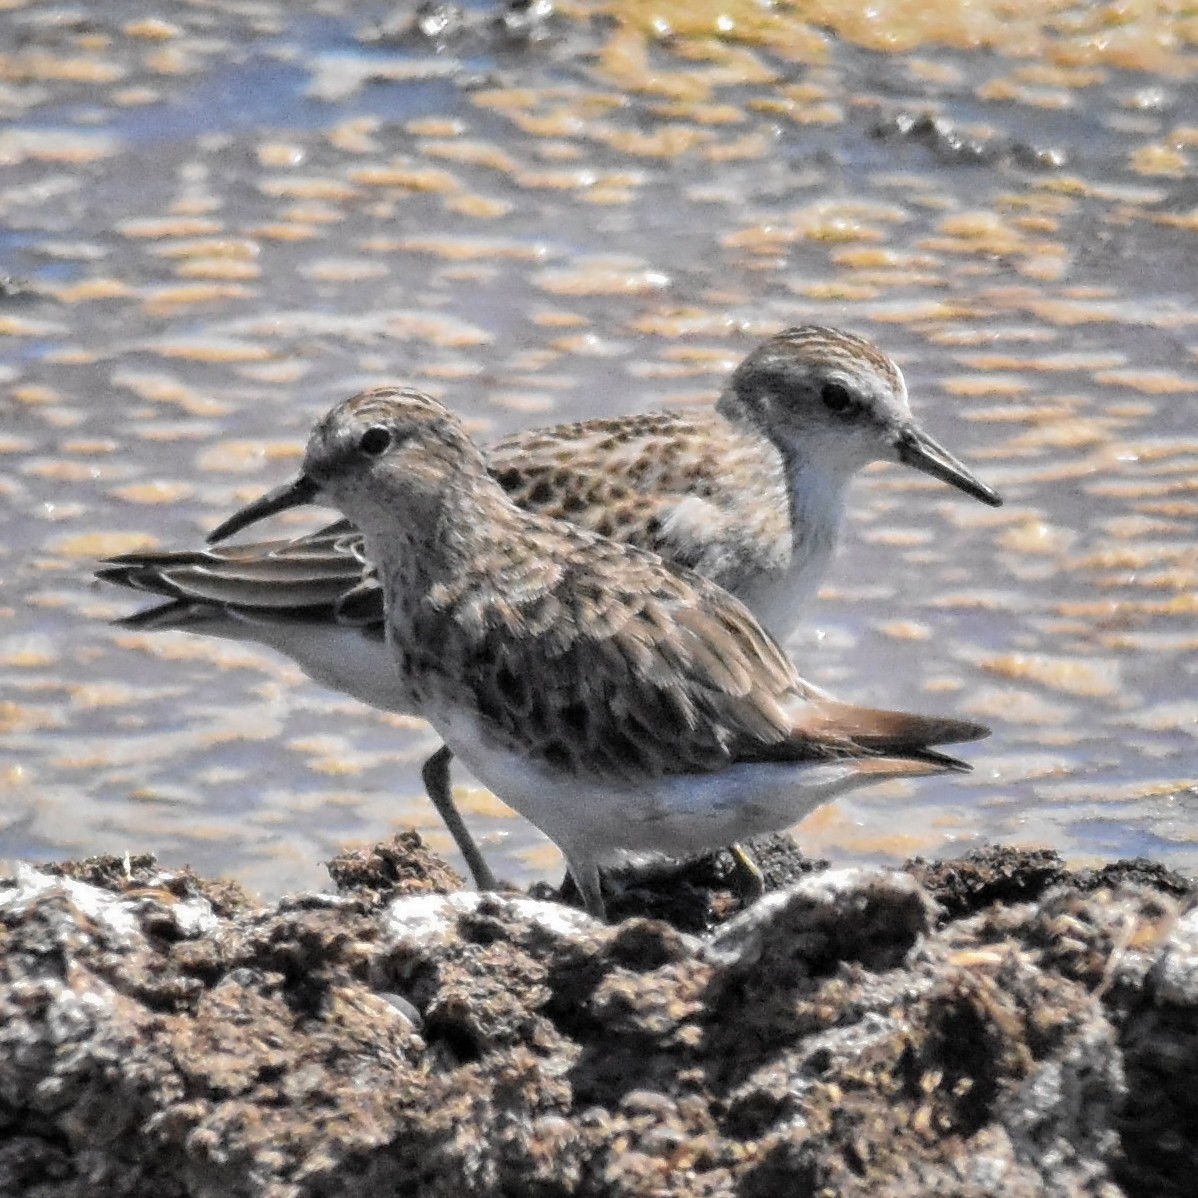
x: 992, y: 1025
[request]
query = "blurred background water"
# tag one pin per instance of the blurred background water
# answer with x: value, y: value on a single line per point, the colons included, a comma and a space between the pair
x: 216, y: 220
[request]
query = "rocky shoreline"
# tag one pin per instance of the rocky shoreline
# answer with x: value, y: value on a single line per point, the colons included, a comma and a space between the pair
x: 994, y: 1025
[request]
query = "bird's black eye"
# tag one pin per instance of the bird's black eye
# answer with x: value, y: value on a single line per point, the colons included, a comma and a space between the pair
x: 838, y: 398
x: 374, y: 441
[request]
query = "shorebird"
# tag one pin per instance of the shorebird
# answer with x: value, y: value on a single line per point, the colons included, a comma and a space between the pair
x: 618, y: 702
x: 749, y: 493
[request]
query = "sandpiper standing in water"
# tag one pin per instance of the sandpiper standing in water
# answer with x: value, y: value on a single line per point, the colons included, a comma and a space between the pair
x: 617, y: 702
x: 749, y: 493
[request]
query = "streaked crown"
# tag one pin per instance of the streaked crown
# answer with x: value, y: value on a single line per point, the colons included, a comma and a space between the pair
x: 814, y: 381
x: 382, y: 422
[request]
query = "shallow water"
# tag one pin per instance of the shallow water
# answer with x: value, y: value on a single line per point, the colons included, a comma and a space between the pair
x: 224, y: 218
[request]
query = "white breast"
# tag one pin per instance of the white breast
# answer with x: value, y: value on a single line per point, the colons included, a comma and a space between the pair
x: 817, y: 499
x: 780, y: 600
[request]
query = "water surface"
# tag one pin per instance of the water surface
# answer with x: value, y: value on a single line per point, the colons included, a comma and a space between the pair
x: 223, y: 218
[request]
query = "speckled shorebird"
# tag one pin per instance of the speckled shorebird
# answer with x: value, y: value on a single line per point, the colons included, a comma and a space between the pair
x: 617, y: 702
x: 749, y: 493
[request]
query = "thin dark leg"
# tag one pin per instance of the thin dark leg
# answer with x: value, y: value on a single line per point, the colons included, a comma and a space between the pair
x: 435, y: 773
x: 586, y: 878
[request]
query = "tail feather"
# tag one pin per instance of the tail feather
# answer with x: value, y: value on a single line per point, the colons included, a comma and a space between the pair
x: 887, y: 731
x: 217, y: 619
x: 874, y: 769
x: 827, y: 728
x: 943, y: 761
x: 171, y: 616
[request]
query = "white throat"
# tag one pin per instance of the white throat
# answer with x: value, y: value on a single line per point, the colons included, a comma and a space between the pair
x: 817, y: 485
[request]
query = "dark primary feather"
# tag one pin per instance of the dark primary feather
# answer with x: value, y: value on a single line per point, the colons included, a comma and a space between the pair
x: 310, y: 575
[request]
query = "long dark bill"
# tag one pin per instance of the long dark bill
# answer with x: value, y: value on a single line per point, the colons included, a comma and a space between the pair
x: 915, y: 448
x: 296, y: 493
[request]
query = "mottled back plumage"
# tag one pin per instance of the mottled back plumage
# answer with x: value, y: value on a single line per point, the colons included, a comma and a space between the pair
x: 597, y: 659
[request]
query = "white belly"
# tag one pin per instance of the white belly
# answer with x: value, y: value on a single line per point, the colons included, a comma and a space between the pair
x: 341, y: 658
x: 594, y: 819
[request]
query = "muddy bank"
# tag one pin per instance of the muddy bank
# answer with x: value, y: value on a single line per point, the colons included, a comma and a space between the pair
x: 992, y: 1025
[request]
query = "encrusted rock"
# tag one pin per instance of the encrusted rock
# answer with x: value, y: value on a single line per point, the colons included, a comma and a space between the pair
x: 854, y: 1033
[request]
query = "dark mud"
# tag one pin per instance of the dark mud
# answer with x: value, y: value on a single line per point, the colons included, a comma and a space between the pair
x: 995, y: 1025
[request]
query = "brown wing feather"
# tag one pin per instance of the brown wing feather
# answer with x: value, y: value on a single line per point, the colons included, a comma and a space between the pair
x: 827, y: 727
x: 886, y: 731
x: 662, y: 673
x: 624, y: 477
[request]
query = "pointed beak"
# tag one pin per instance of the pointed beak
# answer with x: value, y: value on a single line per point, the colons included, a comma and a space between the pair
x: 915, y: 448
x: 296, y: 493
